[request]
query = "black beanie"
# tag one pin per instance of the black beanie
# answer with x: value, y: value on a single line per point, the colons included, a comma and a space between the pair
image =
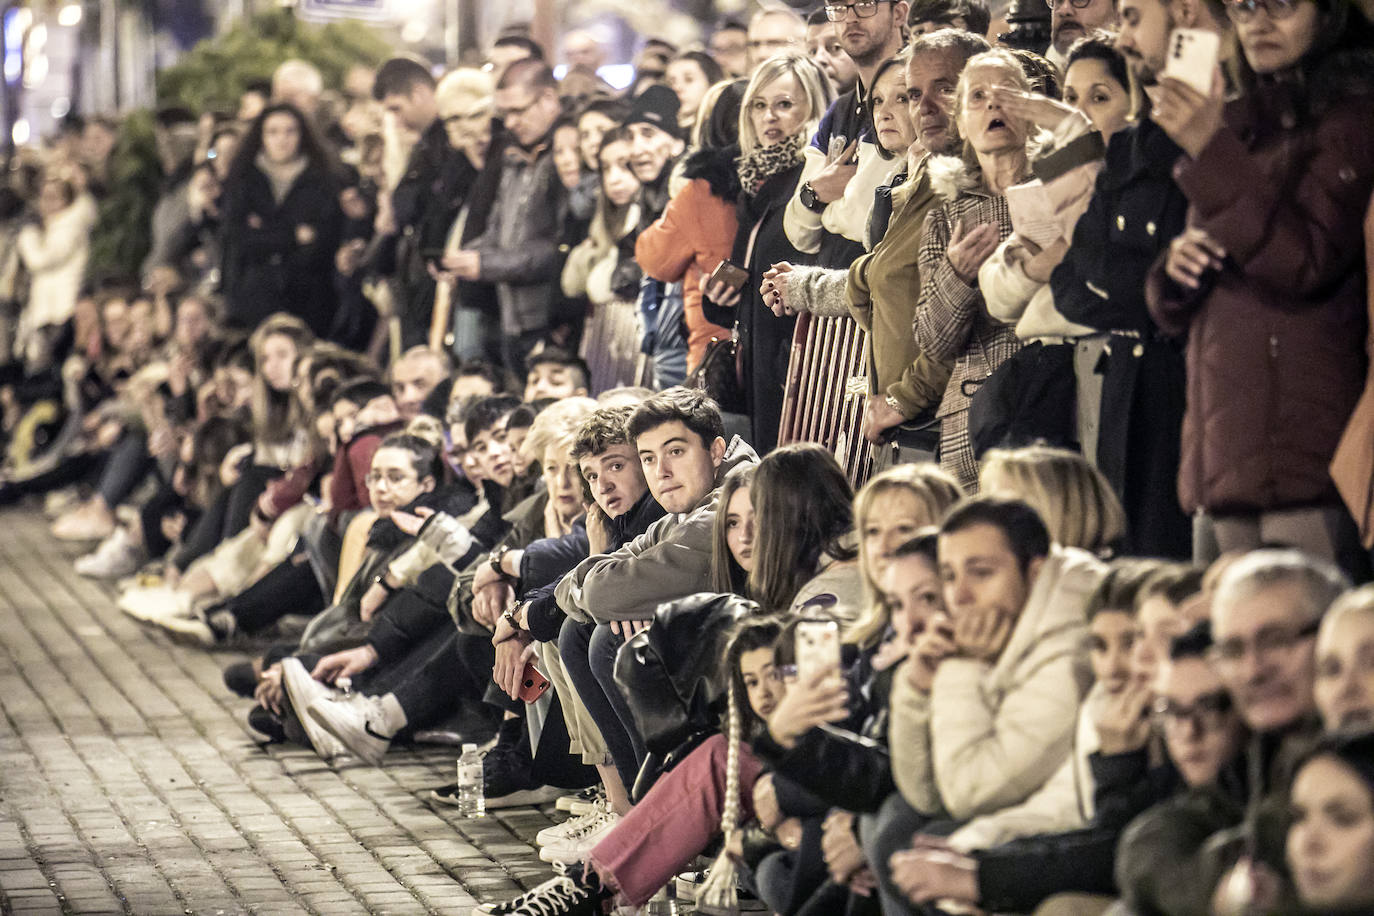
x: 657, y: 105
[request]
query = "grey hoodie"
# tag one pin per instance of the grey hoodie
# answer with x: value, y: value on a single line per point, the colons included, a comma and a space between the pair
x: 671, y: 560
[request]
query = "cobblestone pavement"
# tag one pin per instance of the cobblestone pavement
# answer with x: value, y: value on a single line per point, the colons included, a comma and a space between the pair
x: 129, y: 782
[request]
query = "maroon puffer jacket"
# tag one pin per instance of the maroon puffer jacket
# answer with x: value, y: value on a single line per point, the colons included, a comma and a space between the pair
x: 1276, y: 356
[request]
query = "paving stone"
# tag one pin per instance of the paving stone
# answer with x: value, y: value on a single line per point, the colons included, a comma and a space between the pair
x: 132, y: 784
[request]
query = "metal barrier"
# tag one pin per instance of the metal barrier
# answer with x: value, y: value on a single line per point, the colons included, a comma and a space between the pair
x: 827, y: 384
x: 610, y: 345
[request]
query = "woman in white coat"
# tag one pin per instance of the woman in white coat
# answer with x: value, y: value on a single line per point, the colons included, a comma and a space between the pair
x: 54, y: 251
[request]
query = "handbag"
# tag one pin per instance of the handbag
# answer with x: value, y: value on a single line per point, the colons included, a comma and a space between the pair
x: 1031, y: 398
x: 718, y: 373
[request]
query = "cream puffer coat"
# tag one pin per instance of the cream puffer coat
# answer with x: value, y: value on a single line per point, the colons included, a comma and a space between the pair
x: 988, y: 735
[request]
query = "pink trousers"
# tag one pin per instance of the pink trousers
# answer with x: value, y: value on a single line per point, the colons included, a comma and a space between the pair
x: 674, y: 822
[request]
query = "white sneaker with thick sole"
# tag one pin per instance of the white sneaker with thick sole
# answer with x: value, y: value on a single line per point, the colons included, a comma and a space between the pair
x: 560, y: 832
x: 351, y: 722
x: 303, y: 690
x: 578, y: 844
x: 155, y: 603
x: 117, y: 556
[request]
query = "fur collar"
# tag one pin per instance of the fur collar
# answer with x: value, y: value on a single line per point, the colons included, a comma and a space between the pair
x: 717, y: 167
x: 954, y: 176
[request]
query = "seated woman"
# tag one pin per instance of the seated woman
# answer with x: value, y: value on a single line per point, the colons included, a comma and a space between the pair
x: 1077, y: 504
x: 1331, y: 839
x: 1344, y: 685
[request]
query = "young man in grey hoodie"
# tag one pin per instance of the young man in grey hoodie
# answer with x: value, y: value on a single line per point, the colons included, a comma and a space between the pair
x: 680, y: 441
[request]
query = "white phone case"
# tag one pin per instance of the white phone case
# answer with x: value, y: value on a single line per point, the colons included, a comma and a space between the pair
x: 1193, y: 58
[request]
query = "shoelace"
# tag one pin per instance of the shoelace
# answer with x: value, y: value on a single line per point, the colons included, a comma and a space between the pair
x: 555, y: 897
x: 598, y: 818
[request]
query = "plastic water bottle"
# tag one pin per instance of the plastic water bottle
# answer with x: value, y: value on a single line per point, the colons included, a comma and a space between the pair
x: 471, y: 801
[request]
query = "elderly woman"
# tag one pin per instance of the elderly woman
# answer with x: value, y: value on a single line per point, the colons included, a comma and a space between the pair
x: 785, y: 98
x: 952, y: 320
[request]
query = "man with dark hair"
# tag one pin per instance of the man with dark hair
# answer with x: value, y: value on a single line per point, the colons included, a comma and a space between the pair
x: 984, y: 709
x: 824, y: 48
x: 729, y: 45
x: 421, y: 200
x: 509, y: 48
x: 678, y: 435
x: 418, y: 372
x: 517, y: 250
x: 928, y: 16
x: 1071, y: 20
x: 828, y: 213
x: 1136, y: 211
x: 554, y: 373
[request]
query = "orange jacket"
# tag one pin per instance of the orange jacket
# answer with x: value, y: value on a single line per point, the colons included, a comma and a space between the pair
x: 695, y: 233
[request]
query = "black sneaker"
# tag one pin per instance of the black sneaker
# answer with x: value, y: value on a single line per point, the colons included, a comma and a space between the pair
x: 574, y: 894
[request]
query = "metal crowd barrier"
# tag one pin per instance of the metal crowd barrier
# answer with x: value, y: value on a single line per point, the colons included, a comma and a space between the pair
x: 610, y: 345
x: 827, y: 384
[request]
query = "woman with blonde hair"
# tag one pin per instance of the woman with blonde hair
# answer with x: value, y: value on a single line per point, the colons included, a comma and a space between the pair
x: 889, y: 511
x: 1078, y: 505
x: 785, y: 99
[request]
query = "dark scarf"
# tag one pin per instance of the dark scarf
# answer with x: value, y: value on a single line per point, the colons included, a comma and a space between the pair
x: 764, y: 162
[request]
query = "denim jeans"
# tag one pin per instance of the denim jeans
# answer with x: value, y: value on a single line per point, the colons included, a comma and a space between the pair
x: 588, y: 652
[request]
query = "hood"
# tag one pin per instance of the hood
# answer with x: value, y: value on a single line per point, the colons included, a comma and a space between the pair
x: 737, y: 453
x: 717, y: 167
x: 1054, y: 618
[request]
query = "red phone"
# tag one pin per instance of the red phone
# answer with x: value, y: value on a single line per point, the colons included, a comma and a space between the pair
x: 532, y: 683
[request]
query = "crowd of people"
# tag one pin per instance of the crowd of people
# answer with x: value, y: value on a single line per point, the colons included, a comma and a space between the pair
x: 1090, y: 638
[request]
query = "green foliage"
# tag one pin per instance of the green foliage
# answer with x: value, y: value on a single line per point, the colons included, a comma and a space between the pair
x: 123, y: 232
x: 215, y: 72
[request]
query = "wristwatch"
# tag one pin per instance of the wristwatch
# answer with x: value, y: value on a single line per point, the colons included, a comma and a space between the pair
x: 497, y: 556
x: 512, y: 617
x: 809, y: 200
x: 892, y: 402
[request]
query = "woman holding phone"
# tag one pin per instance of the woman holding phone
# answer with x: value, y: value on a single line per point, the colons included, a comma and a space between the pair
x: 782, y: 104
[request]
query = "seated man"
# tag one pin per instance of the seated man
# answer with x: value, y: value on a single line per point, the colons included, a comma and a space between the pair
x: 983, y: 713
x: 611, y: 596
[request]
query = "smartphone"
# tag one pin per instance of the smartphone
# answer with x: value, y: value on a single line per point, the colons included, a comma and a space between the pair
x: 1192, y: 58
x: 532, y: 683
x: 733, y: 276
x: 818, y: 647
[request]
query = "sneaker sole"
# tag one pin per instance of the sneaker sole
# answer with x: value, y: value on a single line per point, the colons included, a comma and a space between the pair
x: 373, y: 757
x: 322, y: 741
x: 526, y: 798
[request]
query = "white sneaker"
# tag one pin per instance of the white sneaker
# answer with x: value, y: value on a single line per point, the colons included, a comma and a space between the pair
x: 560, y: 832
x: 351, y: 723
x: 582, y: 802
x: 576, y: 846
x: 117, y: 556
x: 155, y: 603
x: 304, y: 690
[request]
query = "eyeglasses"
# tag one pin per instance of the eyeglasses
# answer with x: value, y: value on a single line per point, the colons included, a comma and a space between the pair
x: 1076, y: 4
x: 392, y: 478
x: 1207, y: 713
x: 863, y: 9
x: 1245, y: 10
x: 1267, y: 643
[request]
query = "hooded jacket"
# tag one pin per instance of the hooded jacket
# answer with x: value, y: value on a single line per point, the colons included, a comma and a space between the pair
x: 670, y: 560
x: 988, y: 735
